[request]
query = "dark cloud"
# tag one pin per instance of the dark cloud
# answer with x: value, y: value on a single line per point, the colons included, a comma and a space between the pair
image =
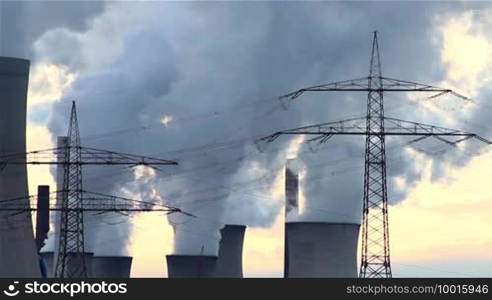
x: 22, y: 22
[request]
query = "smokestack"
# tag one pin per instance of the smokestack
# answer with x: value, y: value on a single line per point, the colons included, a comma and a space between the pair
x: 42, y: 215
x: 291, y: 205
x: 18, y: 257
x: 317, y: 249
x: 291, y: 187
x: 111, y: 266
x: 230, y: 260
x: 191, y: 266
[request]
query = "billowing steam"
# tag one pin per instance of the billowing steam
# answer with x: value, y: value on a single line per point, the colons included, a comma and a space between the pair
x: 197, y: 83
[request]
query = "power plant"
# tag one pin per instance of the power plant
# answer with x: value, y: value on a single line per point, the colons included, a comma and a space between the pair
x: 312, y: 249
x: 310, y: 238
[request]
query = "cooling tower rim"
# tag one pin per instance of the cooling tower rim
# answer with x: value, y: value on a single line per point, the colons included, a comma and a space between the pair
x: 14, y: 59
x: 235, y: 225
x: 14, y: 66
x: 112, y: 256
x: 43, y: 252
x: 191, y: 255
x: 324, y: 223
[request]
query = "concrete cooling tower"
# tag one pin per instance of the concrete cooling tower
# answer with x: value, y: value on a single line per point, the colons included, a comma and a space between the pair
x: 18, y: 255
x: 111, y: 266
x: 230, y: 260
x: 191, y: 266
x: 317, y: 249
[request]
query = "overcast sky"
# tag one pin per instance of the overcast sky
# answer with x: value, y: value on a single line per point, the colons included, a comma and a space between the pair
x: 197, y: 82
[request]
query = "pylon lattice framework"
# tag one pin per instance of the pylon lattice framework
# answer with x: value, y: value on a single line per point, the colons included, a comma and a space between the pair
x: 375, y: 254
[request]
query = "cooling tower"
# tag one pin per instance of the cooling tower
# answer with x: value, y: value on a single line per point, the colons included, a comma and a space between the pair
x: 47, y: 268
x: 322, y: 249
x: 230, y: 260
x: 18, y: 255
x: 191, y: 266
x: 111, y: 266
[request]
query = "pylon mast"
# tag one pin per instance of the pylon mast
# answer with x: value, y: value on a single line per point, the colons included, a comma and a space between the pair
x: 71, y: 250
x: 375, y: 254
x: 375, y: 236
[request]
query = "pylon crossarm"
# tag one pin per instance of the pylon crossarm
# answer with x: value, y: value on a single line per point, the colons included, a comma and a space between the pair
x: 324, y: 129
x: 89, y: 156
x: 392, y: 127
x: 110, y: 157
x: 398, y: 85
x: 402, y: 127
x: 91, y: 202
x: 99, y: 201
x: 388, y: 85
x: 358, y: 84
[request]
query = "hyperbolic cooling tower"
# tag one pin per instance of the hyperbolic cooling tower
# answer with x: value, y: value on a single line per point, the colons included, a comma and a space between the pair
x: 18, y: 255
x: 111, y: 266
x: 230, y: 260
x: 191, y: 266
x: 318, y: 249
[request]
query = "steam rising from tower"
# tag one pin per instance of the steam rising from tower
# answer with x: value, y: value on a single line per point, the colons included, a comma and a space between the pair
x: 230, y: 260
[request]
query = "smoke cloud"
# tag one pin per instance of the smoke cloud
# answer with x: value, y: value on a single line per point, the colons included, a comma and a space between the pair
x: 196, y: 82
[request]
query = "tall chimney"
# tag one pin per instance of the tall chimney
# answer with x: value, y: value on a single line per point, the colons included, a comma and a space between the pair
x: 18, y: 249
x: 291, y: 205
x: 230, y: 260
x: 42, y: 215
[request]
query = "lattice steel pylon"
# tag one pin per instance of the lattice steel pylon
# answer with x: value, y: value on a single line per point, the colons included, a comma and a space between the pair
x: 375, y: 235
x: 70, y: 261
x: 375, y: 254
x: 71, y: 250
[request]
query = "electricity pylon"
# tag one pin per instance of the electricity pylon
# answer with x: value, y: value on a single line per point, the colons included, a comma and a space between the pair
x: 375, y: 256
x: 70, y: 260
